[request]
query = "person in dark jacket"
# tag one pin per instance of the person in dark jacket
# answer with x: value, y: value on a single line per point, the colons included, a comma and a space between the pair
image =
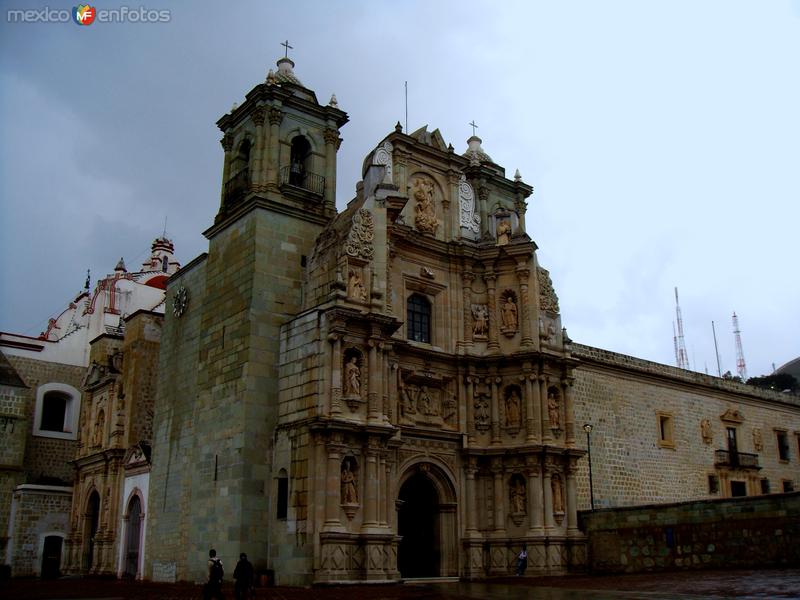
x: 243, y: 574
x: 213, y: 589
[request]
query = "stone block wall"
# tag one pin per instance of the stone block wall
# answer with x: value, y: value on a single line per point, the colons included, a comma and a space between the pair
x: 46, y: 457
x: 622, y: 397
x: 300, y: 374
x: 13, y: 431
x: 37, y: 511
x: 751, y: 532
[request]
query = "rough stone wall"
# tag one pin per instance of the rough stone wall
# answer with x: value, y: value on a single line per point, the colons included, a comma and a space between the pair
x: 300, y: 374
x: 140, y: 379
x: 46, y: 457
x: 173, y: 434
x: 621, y: 397
x: 737, y: 532
x: 13, y: 431
x: 36, y: 514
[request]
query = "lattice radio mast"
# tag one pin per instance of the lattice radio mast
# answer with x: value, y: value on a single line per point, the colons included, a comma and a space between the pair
x: 681, y: 357
x: 741, y: 368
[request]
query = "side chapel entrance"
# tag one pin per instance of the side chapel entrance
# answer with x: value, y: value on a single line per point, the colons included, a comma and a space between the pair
x: 92, y: 522
x: 426, y: 522
x: 133, y: 541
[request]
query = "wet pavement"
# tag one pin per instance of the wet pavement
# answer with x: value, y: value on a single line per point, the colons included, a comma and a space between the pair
x: 777, y: 583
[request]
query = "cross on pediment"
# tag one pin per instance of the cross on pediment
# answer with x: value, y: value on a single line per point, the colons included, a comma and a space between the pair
x: 474, y: 126
x: 287, y: 47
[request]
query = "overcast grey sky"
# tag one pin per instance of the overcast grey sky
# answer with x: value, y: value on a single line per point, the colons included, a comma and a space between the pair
x: 662, y: 140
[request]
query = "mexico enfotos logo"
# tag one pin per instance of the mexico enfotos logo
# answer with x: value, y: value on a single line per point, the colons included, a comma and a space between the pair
x: 85, y: 15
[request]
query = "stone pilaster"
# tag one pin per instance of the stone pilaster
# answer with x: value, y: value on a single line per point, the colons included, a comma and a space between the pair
x: 491, y: 281
x: 333, y: 487
x: 499, y: 513
x: 546, y: 432
x: 535, y: 498
x: 227, y: 146
x: 336, y: 374
x: 572, y: 500
x: 495, y: 383
x: 331, y: 144
x: 470, y: 470
x: 569, y: 412
x: 273, y: 163
x: 466, y: 287
x: 257, y: 174
x: 523, y: 276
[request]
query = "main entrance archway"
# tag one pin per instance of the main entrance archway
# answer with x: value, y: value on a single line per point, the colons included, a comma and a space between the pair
x: 91, y: 524
x: 133, y: 540
x: 426, y: 523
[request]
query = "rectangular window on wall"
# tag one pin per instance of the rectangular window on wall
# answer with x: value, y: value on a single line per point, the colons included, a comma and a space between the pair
x: 783, y: 444
x: 765, y: 486
x: 713, y: 484
x: 738, y: 488
x: 666, y: 433
x: 788, y: 485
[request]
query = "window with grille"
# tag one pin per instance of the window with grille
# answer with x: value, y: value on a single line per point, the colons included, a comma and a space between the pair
x: 419, y: 319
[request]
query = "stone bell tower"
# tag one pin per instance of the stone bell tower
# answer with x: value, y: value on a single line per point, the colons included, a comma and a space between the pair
x: 217, y: 410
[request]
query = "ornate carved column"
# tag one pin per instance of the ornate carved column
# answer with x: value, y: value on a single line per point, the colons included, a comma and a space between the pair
x: 333, y: 478
x: 491, y: 279
x: 483, y: 196
x: 499, y: 517
x: 227, y: 146
x: 336, y: 374
x: 466, y: 281
x: 470, y: 470
x: 371, y: 483
x: 494, y: 382
x: 546, y: 432
x: 523, y: 276
x: 273, y: 164
x: 331, y: 144
x: 535, y: 498
x: 382, y: 491
x: 469, y: 395
x: 257, y: 173
x: 569, y: 412
x: 572, y: 500
x: 530, y: 410
x: 374, y: 379
x: 547, y: 504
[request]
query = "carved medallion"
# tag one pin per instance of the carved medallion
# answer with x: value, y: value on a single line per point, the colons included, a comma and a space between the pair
x: 547, y: 295
x: 362, y: 233
x: 423, y: 192
x: 468, y: 218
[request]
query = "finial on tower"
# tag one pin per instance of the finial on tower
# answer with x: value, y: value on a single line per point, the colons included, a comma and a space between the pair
x: 88, y: 280
x: 517, y: 176
x: 333, y: 102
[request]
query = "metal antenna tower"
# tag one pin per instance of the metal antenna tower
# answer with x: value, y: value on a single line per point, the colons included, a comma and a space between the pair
x: 681, y: 358
x: 741, y: 368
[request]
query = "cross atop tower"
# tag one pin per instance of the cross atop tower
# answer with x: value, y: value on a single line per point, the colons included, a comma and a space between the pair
x: 287, y: 47
x: 474, y: 126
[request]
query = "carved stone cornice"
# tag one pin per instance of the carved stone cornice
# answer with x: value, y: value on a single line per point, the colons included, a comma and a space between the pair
x: 227, y: 142
x: 331, y: 136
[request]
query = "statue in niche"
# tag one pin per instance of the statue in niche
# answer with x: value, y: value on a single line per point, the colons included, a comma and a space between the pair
x: 407, y: 400
x: 705, y: 431
x: 758, y: 442
x: 480, y: 314
x: 558, y: 494
x: 513, y: 408
x: 552, y: 409
x: 482, y: 418
x: 355, y: 286
x: 503, y: 231
x: 427, y: 406
x: 449, y: 408
x: 425, y: 219
x: 349, y: 483
x: 99, y: 426
x: 509, y: 313
x: 518, y: 496
x: 352, y: 377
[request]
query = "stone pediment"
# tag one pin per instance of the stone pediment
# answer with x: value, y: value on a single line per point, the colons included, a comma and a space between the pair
x: 430, y: 138
x: 137, y: 456
x: 732, y: 415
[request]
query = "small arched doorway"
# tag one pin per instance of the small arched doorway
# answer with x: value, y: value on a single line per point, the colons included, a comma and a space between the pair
x: 426, y: 524
x: 300, y: 155
x: 133, y: 537
x: 91, y: 524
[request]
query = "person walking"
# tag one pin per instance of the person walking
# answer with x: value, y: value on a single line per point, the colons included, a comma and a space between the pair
x: 243, y: 574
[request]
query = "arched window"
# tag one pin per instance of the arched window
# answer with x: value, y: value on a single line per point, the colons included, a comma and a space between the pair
x: 283, y: 495
x: 242, y: 160
x: 164, y: 263
x: 56, y: 412
x: 301, y: 153
x: 419, y: 318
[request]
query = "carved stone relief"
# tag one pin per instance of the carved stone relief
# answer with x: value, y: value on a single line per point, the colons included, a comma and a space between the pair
x: 349, y: 486
x: 426, y: 400
x: 758, y: 441
x: 423, y: 191
x: 547, y: 295
x: 353, y: 384
x: 480, y: 321
x: 705, y: 431
x: 518, y: 499
x: 362, y: 234
x: 355, y: 285
x: 468, y: 218
x: 553, y: 408
x: 503, y: 231
x: 483, y: 420
x: 509, y: 313
x: 383, y: 156
x: 558, y: 494
x: 513, y: 407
